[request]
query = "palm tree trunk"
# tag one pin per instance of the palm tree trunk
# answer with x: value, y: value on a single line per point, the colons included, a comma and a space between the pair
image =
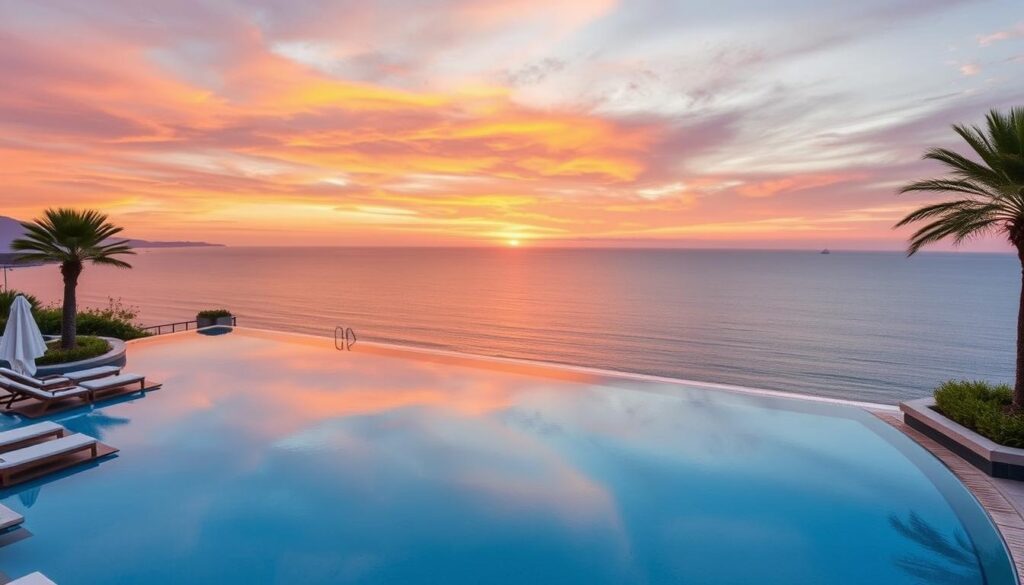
x: 68, y: 327
x: 1018, y: 385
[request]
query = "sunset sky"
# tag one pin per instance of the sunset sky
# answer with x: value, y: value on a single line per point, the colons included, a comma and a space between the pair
x: 747, y: 123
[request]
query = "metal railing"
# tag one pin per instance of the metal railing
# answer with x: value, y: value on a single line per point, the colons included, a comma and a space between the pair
x: 179, y: 326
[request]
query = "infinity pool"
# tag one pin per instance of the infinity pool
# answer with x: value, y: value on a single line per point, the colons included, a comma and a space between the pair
x: 273, y: 458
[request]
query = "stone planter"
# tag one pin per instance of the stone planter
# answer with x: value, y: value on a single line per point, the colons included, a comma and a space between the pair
x: 114, y: 357
x: 211, y: 321
x: 992, y: 458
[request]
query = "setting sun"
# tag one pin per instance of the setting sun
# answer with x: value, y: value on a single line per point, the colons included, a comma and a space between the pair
x: 513, y: 243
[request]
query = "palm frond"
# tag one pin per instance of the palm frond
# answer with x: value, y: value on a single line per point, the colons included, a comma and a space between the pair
x: 32, y: 257
x: 994, y: 187
x: 929, y: 211
x: 1003, y: 132
x: 1018, y: 123
x: 70, y: 235
x: 979, y: 143
x: 108, y: 261
x: 1013, y: 168
x: 956, y: 222
x: 949, y: 185
x: 964, y: 168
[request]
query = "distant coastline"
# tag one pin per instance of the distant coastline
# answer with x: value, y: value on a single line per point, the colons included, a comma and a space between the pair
x: 10, y: 258
x: 176, y: 244
x: 10, y: 229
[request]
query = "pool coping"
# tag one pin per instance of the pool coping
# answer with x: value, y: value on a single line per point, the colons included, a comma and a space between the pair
x: 1001, y: 499
x: 479, y: 360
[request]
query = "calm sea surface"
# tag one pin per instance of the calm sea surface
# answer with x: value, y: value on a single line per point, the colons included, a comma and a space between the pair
x: 865, y: 326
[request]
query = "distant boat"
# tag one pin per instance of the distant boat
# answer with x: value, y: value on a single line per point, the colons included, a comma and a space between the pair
x: 825, y: 251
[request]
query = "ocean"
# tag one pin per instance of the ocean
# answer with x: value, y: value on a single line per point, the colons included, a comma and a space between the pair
x: 872, y: 326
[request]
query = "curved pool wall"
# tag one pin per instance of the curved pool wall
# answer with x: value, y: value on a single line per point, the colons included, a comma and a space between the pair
x: 273, y: 458
x: 114, y: 357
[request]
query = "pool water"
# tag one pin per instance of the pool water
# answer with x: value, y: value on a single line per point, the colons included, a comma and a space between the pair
x: 274, y: 458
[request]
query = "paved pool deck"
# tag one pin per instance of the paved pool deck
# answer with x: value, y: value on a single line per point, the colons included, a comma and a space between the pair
x: 1003, y: 499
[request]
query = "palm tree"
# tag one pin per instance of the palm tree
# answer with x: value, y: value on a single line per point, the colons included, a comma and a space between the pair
x: 71, y: 237
x: 990, y: 199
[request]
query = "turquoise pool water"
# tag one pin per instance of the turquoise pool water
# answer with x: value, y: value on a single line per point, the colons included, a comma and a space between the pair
x: 272, y: 458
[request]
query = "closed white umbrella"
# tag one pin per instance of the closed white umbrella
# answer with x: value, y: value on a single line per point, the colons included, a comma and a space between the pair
x: 22, y: 342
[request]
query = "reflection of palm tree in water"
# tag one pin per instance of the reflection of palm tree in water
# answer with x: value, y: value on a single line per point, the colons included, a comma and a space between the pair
x: 29, y: 496
x: 953, y: 560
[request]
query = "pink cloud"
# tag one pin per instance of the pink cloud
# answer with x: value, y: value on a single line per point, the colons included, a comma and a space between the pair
x: 772, y: 187
x: 1014, y: 32
x: 970, y: 69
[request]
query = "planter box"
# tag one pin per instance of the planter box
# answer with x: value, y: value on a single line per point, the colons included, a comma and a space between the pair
x: 211, y: 321
x: 114, y: 357
x: 992, y: 458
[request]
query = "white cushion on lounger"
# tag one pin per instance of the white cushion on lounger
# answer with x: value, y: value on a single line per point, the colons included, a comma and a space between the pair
x: 30, y: 432
x: 13, y: 386
x: 32, y: 579
x: 45, y: 450
x: 9, y: 518
x: 29, y: 380
x: 91, y: 373
x: 112, y: 381
x: 67, y: 392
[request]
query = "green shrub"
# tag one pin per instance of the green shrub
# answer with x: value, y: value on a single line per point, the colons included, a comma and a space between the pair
x: 87, y: 347
x: 983, y: 408
x: 213, y: 314
x: 7, y: 298
x: 48, y: 318
x: 115, y: 320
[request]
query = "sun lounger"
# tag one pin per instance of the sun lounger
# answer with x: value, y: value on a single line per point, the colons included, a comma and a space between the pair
x: 27, y: 458
x: 19, y: 391
x: 21, y: 437
x: 92, y: 373
x: 9, y: 518
x: 66, y: 379
x: 47, y: 383
x: 32, y: 579
x: 112, y: 382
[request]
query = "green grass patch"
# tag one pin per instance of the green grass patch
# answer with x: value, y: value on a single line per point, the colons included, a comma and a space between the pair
x: 984, y: 408
x: 87, y: 347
